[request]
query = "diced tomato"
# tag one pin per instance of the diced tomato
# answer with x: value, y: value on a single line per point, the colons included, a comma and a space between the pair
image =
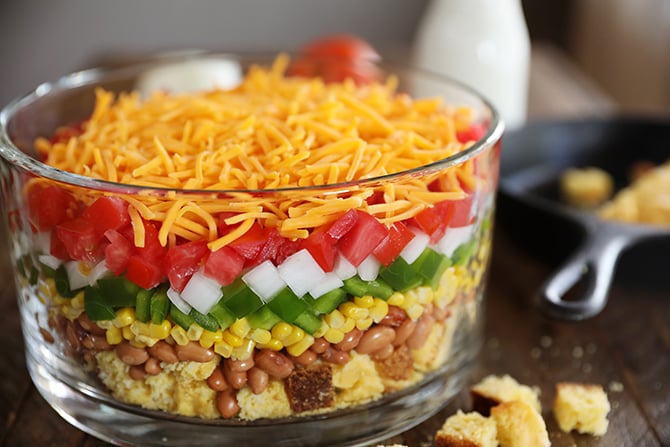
x: 152, y: 250
x: 250, y: 243
x: 182, y: 261
x: 80, y: 239
x: 322, y: 248
x: 462, y: 212
x: 343, y: 225
x: 57, y: 248
x: 221, y: 224
x: 63, y: 134
x: 338, y: 57
x: 224, y: 265
x: 143, y: 272
x: 117, y: 252
x: 376, y: 197
x: 286, y: 248
x: 361, y: 240
x: 389, y: 249
x: 472, y: 133
x: 435, y: 220
x: 275, y: 249
x: 48, y: 206
x: 107, y: 213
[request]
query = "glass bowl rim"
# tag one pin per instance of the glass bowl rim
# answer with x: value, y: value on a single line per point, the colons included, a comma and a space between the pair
x: 88, y: 77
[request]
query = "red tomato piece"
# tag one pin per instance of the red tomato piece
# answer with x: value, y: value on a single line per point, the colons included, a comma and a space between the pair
x: 117, y: 252
x: 143, y: 272
x: 472, y: 133
x: 107, y: 213
x: 221, y: 224
x: 343, y: 225
x: 250, y: 243
x: 362, y: 239
x: 389, y: 249
x: 47, y: 206
x: 182, y: 261
x: 435, y: 220
x: 224, y: 265
x: 80, y: 239
x: 322, y: 248
x: 57, y: 248
x: 462, y: 212
x: 152, y: 250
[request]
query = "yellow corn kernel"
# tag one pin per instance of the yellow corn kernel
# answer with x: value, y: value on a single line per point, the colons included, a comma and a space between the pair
x: 71, y: 313
x: 127, y: 333
x: 351, y: 310
x: 295, y: 336
x: 397, y: 299
x: 137, y: 344
x: 124, y: 317
x: 273, y: 344
x: 348, y: 325
x: 333, y: 335
x: 194, y: 332
x: 364, y: 323
x: 261, y: 336
x: 106, y: 324
x: 208, y: 338
x: 414, y: 311
x: 335, y: 319
x: 77, y: 302
x: 303, y: 345
x: 322, y: 330
x: 179, y: 335
x: 244, y: 351
x: 281, y: 330
x: 240, y: 327
x: 160, y: 331
x: 232, y: 339
x: 144, y: 340
x: 139, y: 328
x: 114, y: 335
x: 48, y: 287
x: 379, y: 310
x: 364, y: 301
x: 223, y: 349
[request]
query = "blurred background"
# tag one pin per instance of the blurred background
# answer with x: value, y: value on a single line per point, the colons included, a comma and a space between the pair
x: 621, y: 46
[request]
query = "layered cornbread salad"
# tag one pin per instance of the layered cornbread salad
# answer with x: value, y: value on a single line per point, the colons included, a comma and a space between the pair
x: 284, y: 246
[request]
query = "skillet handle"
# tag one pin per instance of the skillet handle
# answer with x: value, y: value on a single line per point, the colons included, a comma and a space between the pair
x: 593, y: 263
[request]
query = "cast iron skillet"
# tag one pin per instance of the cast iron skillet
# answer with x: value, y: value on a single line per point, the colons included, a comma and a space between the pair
x: 533, y: 159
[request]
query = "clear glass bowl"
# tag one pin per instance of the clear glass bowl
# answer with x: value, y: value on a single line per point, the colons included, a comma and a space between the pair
x: 64, y: 347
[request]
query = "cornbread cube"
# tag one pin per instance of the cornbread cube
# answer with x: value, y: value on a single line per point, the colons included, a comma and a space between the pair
x: 494, y: 390
x: 581, y: 407
x: 519, y: 425
x: 587, y: 187
x: 467, y: 430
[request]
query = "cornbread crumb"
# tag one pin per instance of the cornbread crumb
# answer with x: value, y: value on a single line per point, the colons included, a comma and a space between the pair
x: 271, y: 403
x: 494, y: 390
x: 310, y: 388
x: 467, y: 430
x: 519, y: 425
x: 357, y: 380
x: 581, y: 407
x: 587, y: 187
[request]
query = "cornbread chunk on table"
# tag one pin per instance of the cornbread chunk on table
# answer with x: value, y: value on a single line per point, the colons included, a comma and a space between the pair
x: 494, y: 390
x: 519, y: 425
x: 467, y: 430
x: 581, y: 407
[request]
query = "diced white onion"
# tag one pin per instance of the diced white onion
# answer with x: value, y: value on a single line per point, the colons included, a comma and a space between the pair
x: 369, y: 268
x: 416, y: 246
x: 97, y: 272
x: 452, y: 238
x: 75, y: 277
x: 178, y: 301
x: 301, y: 272
x: 50, y: 261
x: 200, y: 74
x: 201, y: 292
x: 264, y: 280
x: 343, y: 268
x: 330, y: 282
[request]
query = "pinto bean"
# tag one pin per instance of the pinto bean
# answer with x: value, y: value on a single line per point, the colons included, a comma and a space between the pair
x: 152, y: 366
x: 89, y: 326
x: 164, y: 352
x: 274, y: 363
x: 335, y: 356
x: 421, y: 332
x: 193, y: 352
x: 217, y: 381
x: 394, y: 317
x: 226, y: 403
x: 403, y: 332
x: 320, y: 345
x: 131, y: 355
x: 305, y: 359
x: 236, y: 379
x: 350, y: 341
x: 258, y: 380
x: 100, y: 343
x: 375, y: 338
x: 137, y: 372
x: 241, y: 365
x: 72, y: 337
x: 383, y: 353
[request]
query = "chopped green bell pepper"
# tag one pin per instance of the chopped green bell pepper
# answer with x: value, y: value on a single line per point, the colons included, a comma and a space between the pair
x: 287, y: 305
x: 180, y: 318
x: 240, y: 299
x: 160, y: 305
x: 431, y: 265
x: 400, y: 275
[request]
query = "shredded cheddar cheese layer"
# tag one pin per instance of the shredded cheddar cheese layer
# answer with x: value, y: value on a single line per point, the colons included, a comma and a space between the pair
x: 271, y: 132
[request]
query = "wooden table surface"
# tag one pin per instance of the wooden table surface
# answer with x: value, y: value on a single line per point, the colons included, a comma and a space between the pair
x: 626, y: 349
